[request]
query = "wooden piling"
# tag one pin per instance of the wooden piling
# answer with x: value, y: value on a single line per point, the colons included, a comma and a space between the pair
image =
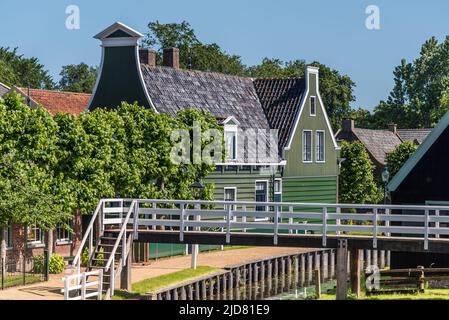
x: 355, y: 270
x: 342, y: 269
x: 317, y: 279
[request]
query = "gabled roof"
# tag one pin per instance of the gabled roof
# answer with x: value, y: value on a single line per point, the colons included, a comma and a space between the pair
x: 419, y: 153
x: 222, y: 95
x: 118, y: 29
x: 378, y: 142
x: 280, y: 99
x: 3, y: 89
x: 58, y: 101
x: 414, y: 135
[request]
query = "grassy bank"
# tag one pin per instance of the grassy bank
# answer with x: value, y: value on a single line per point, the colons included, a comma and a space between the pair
x: 429, y: 294
x: 153, y: 284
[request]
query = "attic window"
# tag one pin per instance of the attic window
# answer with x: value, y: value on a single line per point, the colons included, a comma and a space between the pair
x: 231, y: 141
x: 313, y: 106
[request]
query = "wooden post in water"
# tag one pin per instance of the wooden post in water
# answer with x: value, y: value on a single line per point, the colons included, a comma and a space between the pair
x: 296, y: 271
x: 197, y: 290
x: 317, y: 279
x: 342, y: 269
x: 382, y: 259
x: 375, y: 258
x: 309, y: 269
x: 303, y: 269
x: 355, y: 271
x: 368, y: 258
x: 332, y: 259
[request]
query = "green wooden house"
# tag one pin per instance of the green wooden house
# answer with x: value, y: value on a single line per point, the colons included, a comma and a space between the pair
x: 304, y: 167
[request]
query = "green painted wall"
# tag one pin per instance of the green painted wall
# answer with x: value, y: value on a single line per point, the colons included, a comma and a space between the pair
x: 295, y: 166
x: 244, y: 181
x: 309, y: 189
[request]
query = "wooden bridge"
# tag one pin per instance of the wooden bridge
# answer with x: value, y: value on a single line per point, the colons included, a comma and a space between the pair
x: 117, y: 223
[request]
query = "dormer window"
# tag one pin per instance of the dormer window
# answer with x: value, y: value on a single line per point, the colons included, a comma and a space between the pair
x: 313, y: 106
x: 231, y: 138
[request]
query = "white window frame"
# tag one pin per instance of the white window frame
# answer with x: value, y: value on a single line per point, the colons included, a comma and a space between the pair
x: 280, y: 188
x: 8, y: 233
x: 233, y: 207
x: 267, y: 185
x: 36, y: 243
x: 232, y: 129
x: 62, y: 241
x: 316, y: 146
x: 304, y: 146
x: 312, y: 114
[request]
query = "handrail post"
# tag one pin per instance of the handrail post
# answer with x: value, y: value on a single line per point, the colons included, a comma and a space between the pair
x: 437, y: 224
x: 100, y: 284
x: 426, y: 230
x: 153, y: 215
x: 244, y: 217
x: 338, y: 222
x: 112, y: 276
x: 83, y: 287
x: 181, y: 228
x: 276, y: 224
x: 228, y: 231
x: 66, y: 288
x: 324, y: 226
x: 290, y: 220
x: 136, y: 220
x: 124, y: 248
x: 387, y: 221
x: 375, y: 219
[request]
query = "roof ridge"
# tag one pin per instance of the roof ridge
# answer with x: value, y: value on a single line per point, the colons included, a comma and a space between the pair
x: 55, y: 91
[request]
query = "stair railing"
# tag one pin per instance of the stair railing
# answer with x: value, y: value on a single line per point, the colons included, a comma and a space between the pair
x: 122, y: 237
x: 89, y: 236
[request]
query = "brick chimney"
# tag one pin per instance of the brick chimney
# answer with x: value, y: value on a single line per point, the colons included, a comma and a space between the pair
x: 147, y: 56
x: 393, y: 128
x: 171, y: 58
x: 348, y: 125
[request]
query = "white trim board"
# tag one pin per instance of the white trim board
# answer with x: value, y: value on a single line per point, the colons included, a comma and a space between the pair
x: 419, y: 153
x: 311, y: 70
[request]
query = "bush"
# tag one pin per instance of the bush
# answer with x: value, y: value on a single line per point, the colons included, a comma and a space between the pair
x: 56, y: 264
x: 85, y: 257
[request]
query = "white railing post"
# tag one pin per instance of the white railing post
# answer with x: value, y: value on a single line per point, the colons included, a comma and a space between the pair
x: 102, y: 215
x: 91, y: 241
x: 66, y: 288
x: 324, y: 226
x: 83, y: 287
x: 276, y: 224
x: 228, y: 222
x: 426, y: 230
x: 290, y: 220
x: 124, y: 249
x: 338, y: 222
x: 387, y: 221
x: 153, y: 215
x: 244, y: 217
x: 181, y: 228
x: 112, y: 276
x: 100, y: 284
x: 375, y: 219
x: 437, y: 223
x: 136, y: 220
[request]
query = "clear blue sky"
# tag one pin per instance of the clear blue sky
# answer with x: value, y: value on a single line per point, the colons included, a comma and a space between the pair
x: 332, y: 32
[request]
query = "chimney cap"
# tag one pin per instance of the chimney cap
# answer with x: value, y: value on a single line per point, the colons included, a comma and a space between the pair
x: 171, y: 57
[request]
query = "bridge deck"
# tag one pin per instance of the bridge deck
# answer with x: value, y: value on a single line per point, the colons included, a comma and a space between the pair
x: 390, y: 243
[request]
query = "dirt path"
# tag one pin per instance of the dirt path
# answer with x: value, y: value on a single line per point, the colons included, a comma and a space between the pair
x: 51, y: 290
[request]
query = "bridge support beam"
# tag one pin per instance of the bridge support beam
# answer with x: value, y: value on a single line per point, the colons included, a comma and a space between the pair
x: 355, y: 269
x: 125, y: 275
x: 342, y: 269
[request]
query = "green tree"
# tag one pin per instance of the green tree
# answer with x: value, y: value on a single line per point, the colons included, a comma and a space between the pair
x: 397, y: 158
x: 356, y: 182
x: 17, y: 70
x: 419, y: 88
x: 78, y: 78
x: 193, y: 53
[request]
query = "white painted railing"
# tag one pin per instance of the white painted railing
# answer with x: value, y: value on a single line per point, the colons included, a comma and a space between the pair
x: 228, y: 217
x: 80, y: 284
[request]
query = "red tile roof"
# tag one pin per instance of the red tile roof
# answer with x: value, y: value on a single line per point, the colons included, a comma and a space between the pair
x: 59, y: 101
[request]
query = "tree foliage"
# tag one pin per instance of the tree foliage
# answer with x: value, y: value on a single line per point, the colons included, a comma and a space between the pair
x: 419, y: 96
x: 17, y: 70
x: 356, y: 182
x: 397, y: 158
x: 77, y: 78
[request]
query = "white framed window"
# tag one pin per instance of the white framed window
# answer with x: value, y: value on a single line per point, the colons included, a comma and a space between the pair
x: 8, y: 237
x: 35, y: 236
x: 320, y: 145
x: 307, y: 146
x: 230, y: 194
x: 277, y: 190
x: 231, y: 142
x: 313, y: 106
x: 64, y: 236
x: 261, y: 194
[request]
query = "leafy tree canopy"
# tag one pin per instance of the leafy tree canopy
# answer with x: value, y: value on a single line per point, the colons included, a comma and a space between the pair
x: 17, y: 70
x: 356, y: 182
x: 399, y: 156
x: 77, y: 78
